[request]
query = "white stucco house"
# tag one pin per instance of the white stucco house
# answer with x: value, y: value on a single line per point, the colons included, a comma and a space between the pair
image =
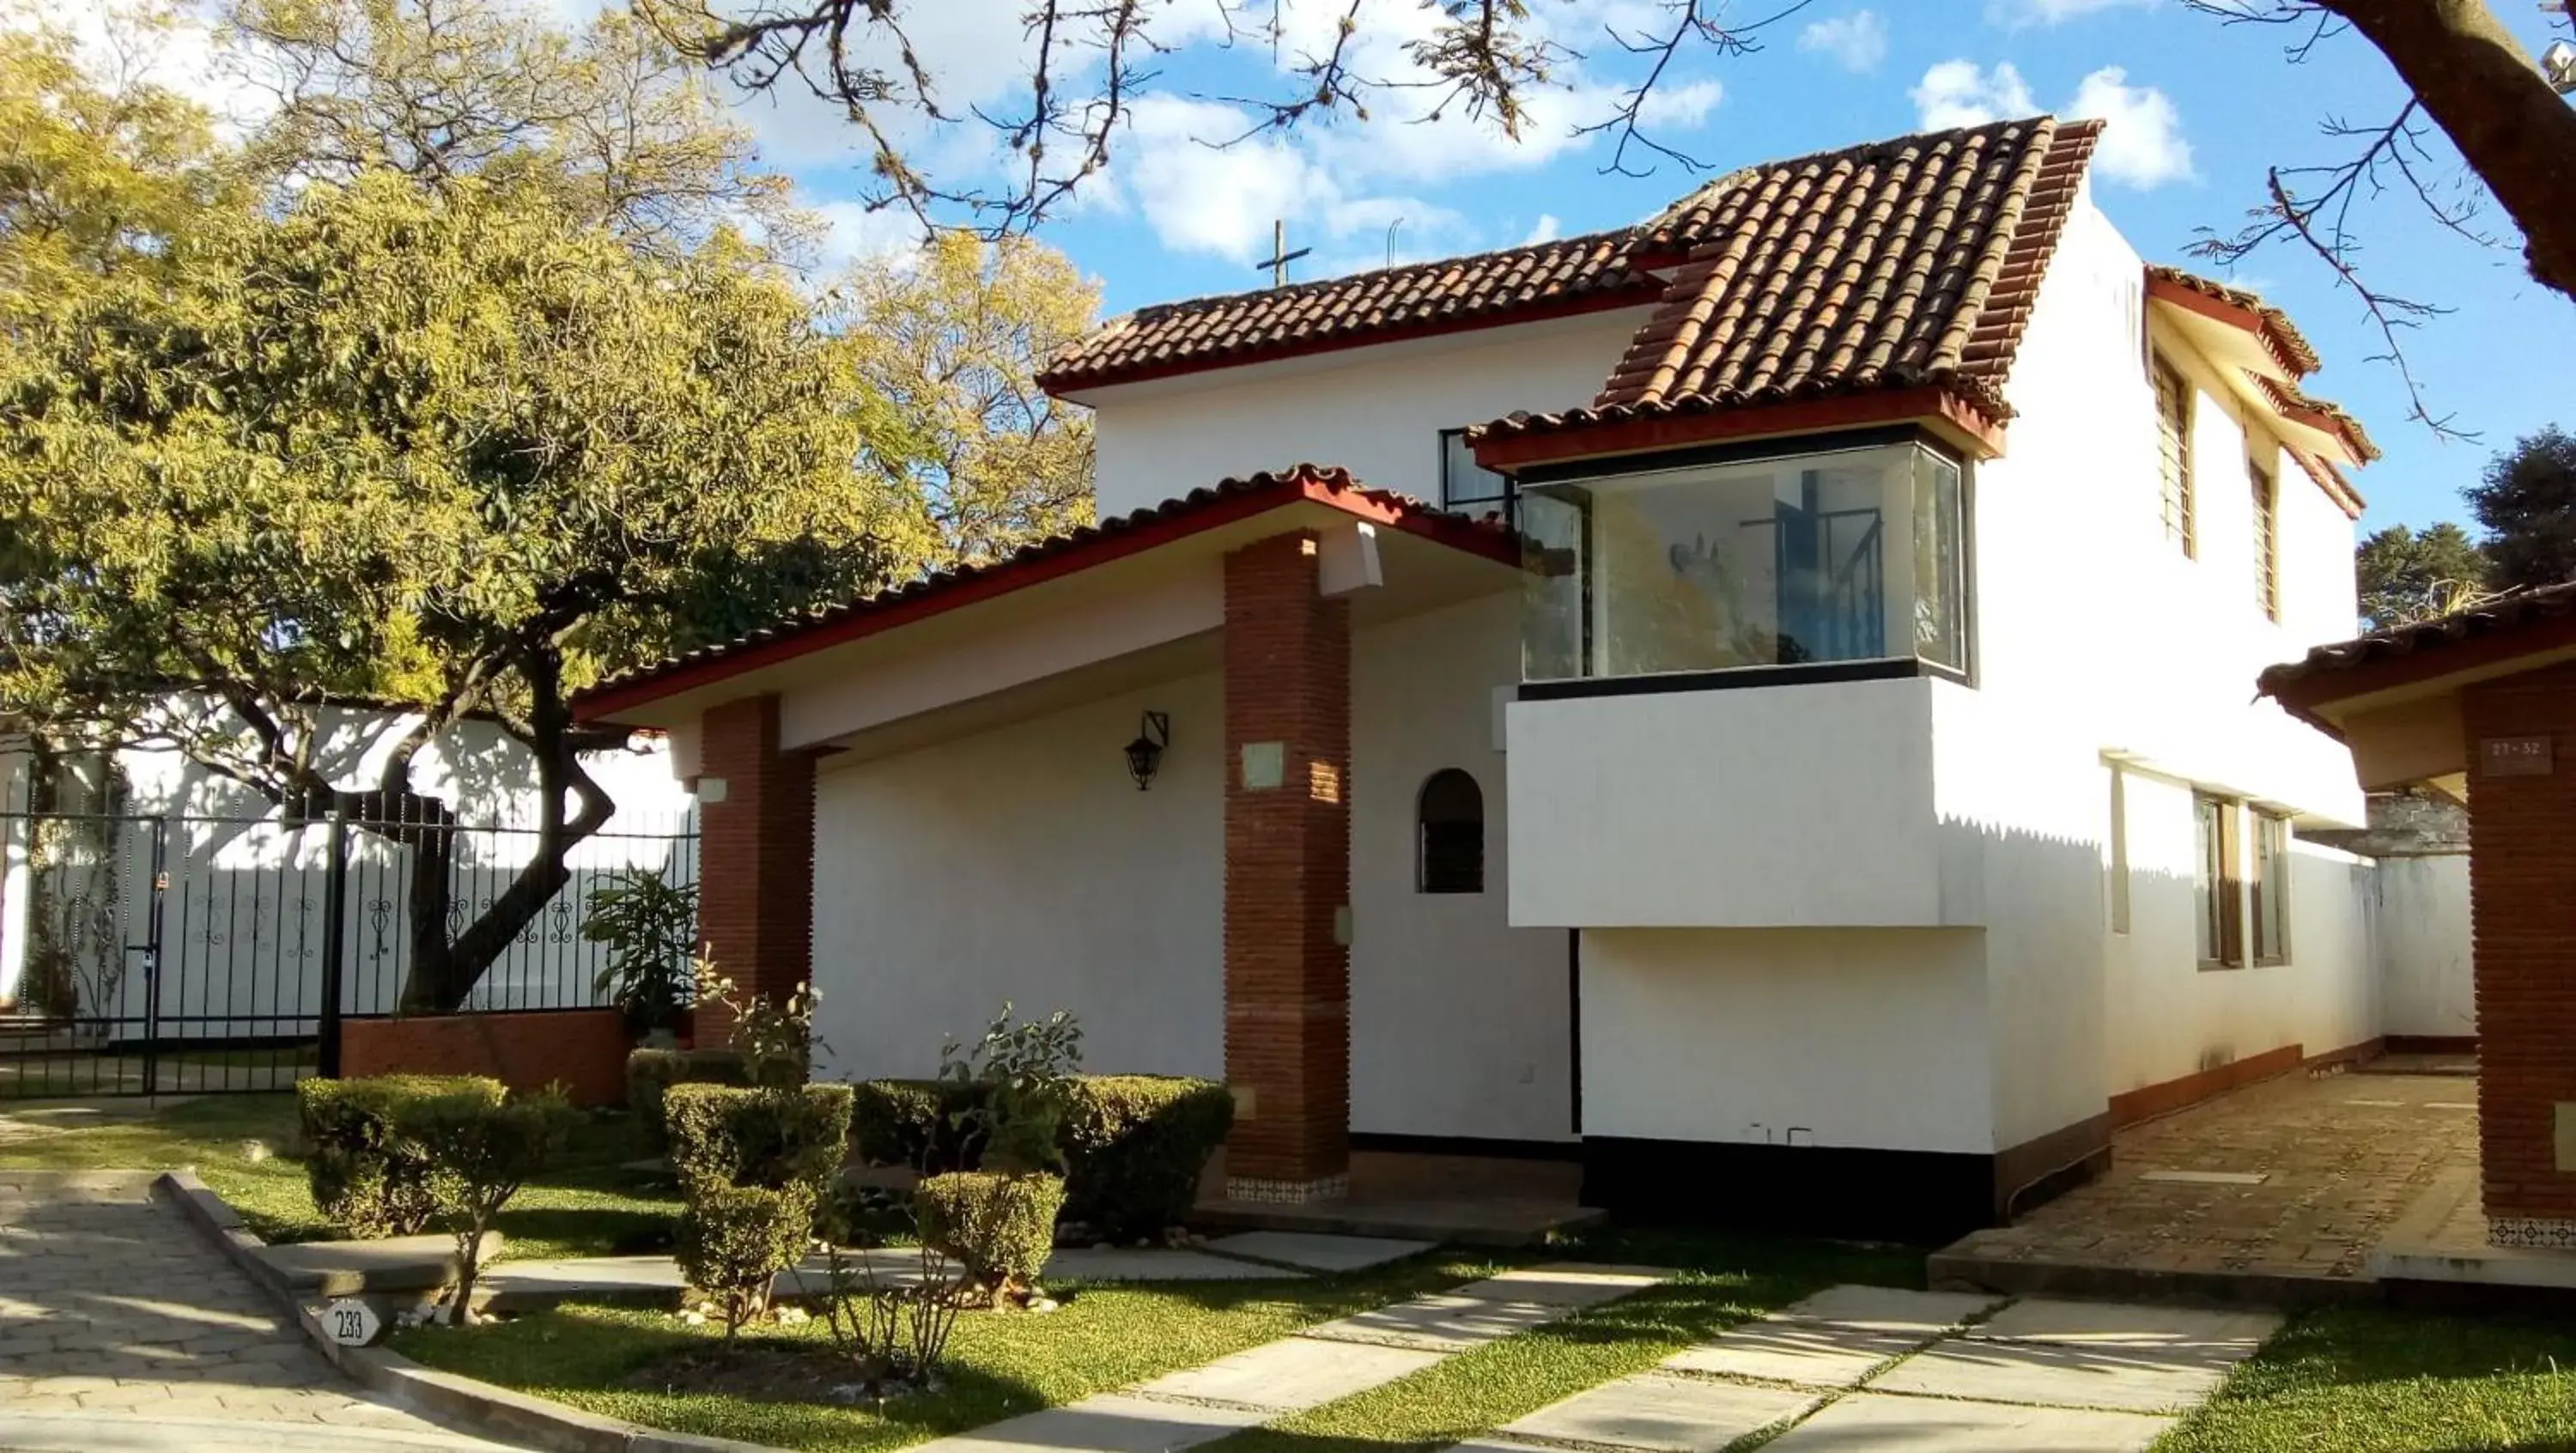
x: 1755, y: 701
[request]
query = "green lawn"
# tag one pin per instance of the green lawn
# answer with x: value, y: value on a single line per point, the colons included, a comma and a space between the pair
x: 586, y: 1206
x: 2394, y: 1382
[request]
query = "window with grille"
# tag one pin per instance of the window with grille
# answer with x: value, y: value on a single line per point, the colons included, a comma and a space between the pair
x: 2173, y: 449
x: 2267, y: 541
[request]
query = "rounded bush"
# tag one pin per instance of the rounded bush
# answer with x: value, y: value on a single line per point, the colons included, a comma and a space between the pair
x: 999, y: 1228
x: 367, y: 1177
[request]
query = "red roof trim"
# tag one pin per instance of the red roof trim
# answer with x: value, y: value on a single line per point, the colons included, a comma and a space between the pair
x: 1674, y: 427
x: 2521, y: 623
x: 1643, y: 291
x: 1202, y: 510
x: 2331, y: 480
x: 2290, y: 352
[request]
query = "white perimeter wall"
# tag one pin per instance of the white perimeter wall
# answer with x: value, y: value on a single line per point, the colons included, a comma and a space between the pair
x: 1870, y: 1038
x: 1377, y: 412
x: 2426, y: 983
x: 1022, y: 864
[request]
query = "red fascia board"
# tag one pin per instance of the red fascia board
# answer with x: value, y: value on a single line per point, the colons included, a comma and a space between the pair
x: 1676, y: 430
x: 1638, y: 293
x: 2345, y: 497
x: 865, y: 620
x: 2220, y: 310
x: 2311, y: 692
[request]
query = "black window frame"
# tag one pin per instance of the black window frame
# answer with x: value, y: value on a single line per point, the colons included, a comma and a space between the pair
x: 1505, y: 501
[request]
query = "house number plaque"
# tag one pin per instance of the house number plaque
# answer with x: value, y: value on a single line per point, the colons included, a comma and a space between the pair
x: 2514, y: 757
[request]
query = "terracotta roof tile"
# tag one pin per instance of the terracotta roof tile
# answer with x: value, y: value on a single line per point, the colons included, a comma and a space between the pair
x: 2280, y: 335
x: 1573, y: 274
x: 1487, y: 535
x: 2511, y: 611
x: 1898, y: 264
x: 2320, y: 414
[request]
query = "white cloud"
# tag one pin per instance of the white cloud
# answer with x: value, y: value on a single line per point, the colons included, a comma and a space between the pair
x: 1958, y: 93
x: 2015, y: 14
x: 2142, y: 142
x: 1681, y: 105
x: 1548, y: 230
x: 1856, y: 42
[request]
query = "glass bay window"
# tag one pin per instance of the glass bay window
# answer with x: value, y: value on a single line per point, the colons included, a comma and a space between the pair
x: 1855, y: 554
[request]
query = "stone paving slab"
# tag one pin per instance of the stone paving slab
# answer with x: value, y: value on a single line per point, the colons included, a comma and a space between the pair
x: 1109, y: 1423
x: 1565, y: 1286
x: 1318, y: 1251
x: 349, y: 1268
x: 2042, y: 1374
x: 1893, y: 1311
x: 535, y: 1283
x: 88, y: 1433
x: 2189, y: 1333
x: 1871, y: 1423
x: 1663, y: 1413
x: 1441, y: 1323
x: 1293, y: 1374
x: 1808, y: 1354
x: 1127, y: 1264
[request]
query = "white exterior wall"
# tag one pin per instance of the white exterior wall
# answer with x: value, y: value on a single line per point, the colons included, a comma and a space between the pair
x: 1872, y: 1038
x: 1377, y: 412
x: 2426, y: 987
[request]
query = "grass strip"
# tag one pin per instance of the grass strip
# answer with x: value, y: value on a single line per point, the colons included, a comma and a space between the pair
x: 2374, y: 1381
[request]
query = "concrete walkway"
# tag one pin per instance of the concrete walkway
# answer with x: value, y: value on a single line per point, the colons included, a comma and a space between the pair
x: 1872, y: 1370
x: 121, y: 1329
x: 1322, y: 1364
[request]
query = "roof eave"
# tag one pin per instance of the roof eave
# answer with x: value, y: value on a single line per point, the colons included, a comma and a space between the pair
x: 1959, y: 421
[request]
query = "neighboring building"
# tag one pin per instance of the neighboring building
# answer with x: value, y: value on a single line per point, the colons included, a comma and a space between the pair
x: 115, y: 865
x: 1839, y: 801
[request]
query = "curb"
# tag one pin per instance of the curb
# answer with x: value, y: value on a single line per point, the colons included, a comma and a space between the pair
x: 463, y: 1402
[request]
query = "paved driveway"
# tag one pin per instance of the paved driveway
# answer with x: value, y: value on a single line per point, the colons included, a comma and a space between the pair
x: 120, y: 1328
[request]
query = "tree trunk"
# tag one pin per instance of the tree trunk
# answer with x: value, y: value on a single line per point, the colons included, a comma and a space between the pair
x: 2484, y: 89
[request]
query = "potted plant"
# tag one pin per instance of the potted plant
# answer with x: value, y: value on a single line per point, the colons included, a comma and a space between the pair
x: 650, y: 928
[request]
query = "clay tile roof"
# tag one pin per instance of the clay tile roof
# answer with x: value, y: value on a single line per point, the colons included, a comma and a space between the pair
x: 1073, y: 549
x: 2320, y: 413
x: 1573, y: 274
x: 1897, y: 264
x: 2280, y: 335
x: 2514, y: 610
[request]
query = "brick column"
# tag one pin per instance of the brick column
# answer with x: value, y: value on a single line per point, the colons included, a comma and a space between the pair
x: 2522, y: 910
x: 1287, y: 875
x: 755, y: 853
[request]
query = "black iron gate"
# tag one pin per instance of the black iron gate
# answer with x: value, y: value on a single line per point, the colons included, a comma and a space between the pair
x: 190, y: 954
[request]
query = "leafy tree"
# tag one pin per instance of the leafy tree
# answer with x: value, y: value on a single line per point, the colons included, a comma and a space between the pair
x: 2412, y: 575
x: 954, y: 342
x: 2527, y: 502
x: 608, y: 118
x: 449, y: 447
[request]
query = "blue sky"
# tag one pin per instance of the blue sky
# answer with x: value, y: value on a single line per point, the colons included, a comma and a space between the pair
x: 2198, y: 111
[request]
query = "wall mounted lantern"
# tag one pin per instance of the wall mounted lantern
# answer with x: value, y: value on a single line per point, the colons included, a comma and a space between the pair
x: 1145, y: 754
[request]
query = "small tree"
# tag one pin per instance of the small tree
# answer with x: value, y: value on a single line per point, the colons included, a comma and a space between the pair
x: 1024, y: 1069
x: 651, y: 930
x: 775, y: 1036
x: 735, y: 1240
x: 480, y: 1154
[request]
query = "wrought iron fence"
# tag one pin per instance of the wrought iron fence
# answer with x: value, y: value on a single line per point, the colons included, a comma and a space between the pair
x: 187, y: 954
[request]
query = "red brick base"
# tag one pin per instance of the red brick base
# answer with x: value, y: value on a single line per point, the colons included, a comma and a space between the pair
x: 583, y: 1048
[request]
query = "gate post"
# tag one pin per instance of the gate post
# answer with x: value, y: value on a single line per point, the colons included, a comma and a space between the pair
x: 335, y: 933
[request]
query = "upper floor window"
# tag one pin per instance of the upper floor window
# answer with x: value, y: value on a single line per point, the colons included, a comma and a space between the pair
x: 1466, y: 486
x: 1450, y: 852
x: 2267, y: 540
x: 2173, y: 449
x: 1849, y: 555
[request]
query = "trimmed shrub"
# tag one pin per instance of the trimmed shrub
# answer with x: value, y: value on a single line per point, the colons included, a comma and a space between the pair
x: 772, y: 1139
x: 650, y: 1073
x: 999, y: 1228
x: 367, y: 1178
x: 925, y: 1124
x: 735, y: 1240
x: 1135, y: 1146
x: 479, y: 1154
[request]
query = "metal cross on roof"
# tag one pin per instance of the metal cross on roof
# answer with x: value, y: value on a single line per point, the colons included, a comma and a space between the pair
x: 1280, y: 256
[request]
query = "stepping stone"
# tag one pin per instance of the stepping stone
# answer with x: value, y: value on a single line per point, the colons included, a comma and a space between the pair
x: 1869, y: 1423
x: 1109, y: 1423
x: 1444, y: 1323
x: 1565, y: 1285
x: 2184, y: 1332
x: 1083, y: 1263
x: 395, y: 1264
x: 1665, y: 1414
x: 1293, y: 1374
x: 1316, y: 1251
x: 1892, y: 1311
x: 2045, y: 1375
x: 1809, y: 1354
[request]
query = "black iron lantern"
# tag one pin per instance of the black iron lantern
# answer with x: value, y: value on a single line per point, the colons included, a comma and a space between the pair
x: 1145, y: 754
